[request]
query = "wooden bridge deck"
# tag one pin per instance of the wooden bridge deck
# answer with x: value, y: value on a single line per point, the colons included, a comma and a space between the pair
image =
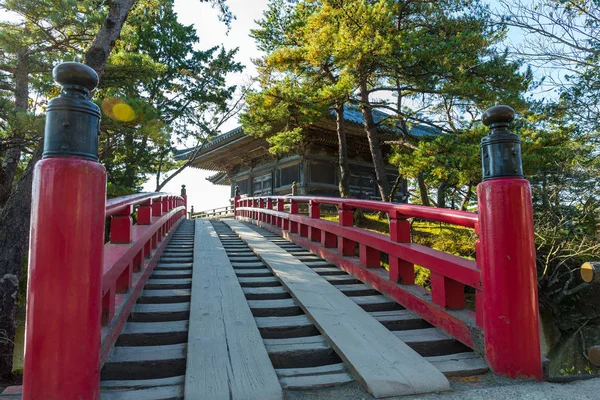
x: 233, y: 311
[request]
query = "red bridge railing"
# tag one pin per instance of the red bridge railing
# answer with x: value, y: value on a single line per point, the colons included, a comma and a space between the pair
x: 504, y: 326
x: 81, y: 289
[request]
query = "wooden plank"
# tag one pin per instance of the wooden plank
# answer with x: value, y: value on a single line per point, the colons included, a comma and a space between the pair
x: 226, y: 356
x: 384, y: 364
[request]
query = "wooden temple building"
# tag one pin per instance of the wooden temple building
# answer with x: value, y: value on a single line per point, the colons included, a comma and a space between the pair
x: 244, y: 161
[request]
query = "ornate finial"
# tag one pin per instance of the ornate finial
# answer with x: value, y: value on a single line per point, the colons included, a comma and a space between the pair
x: 498, y: 117
x: 237, y: 190
x: 501, y: 149
x: 72, y: 120
x: 183, y: 190
x: 74, y: 75
x: 192, y: 210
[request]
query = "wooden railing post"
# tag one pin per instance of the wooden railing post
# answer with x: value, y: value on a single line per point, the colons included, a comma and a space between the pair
x: 280, y: 208
x: 290, y: 225
x: 235, y: 206
x: 62, y: 337
x: 269, y: 219
x: 511, y: 316
x: 314, y: 210
x: 401, y: 271
x: 121, y: 226
x: 346, y: 247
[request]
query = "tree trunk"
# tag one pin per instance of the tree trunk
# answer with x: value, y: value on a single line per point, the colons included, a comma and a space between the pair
x: 441, y: 195
x: 13, y: 153
x: 344, y: 184
x: 423, y: 189
x: 14, y: 237
x: 395, y: 188
x: 466, y: 198
x: 107, y: 36
x: 374, y: 146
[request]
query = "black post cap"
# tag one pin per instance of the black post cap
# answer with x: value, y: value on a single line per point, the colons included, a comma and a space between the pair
x: 501, y: 149
x: 72, y: 119
x: 183, y: 190
x: 75, y: 75
x: 498, y: 116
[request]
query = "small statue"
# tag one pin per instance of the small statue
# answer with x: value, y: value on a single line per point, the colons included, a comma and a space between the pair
x: 294, y: 188
x: 237, y: 191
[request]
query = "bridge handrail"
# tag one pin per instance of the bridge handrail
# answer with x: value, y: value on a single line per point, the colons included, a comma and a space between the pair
x: 211, y: 212
x: 444, y: 215
x: 117, y: 204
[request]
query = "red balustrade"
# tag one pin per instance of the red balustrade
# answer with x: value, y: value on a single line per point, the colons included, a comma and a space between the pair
x: 444, y: 305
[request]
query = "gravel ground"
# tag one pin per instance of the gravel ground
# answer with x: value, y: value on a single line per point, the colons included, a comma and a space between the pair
x: 485, y: 387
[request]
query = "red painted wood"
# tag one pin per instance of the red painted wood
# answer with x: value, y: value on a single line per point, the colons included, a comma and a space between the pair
x: 454, y: 217
x: 144, y: 213
x: 328, y: 239
x: 401, y: 271
x: 369, y: 257
x: 121, y: 225
x: 293, y: 225
x: 346, y: 247
x: 114, y: 205
x: 511, y: 316
x: 447, y: 293
x: 314, y: 211
x: 156, y: 207
x: 62, y: 341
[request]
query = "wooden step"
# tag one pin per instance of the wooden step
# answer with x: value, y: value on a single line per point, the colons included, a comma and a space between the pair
x: 285, y: 327
x: 430, y: 342
x: 359, y: 289
x: 165, y: 296
x: 145, y: 362
x: 312, y: 264
x: 171, y: 274
x: 272, y: 308
x: 248, y: 265
x: 160, y: 312
x: 142, y: 383
x: 461, y: 364
x: 341, y: 279
x: 267, y: 293
x: 174, y: 260
x: 311, y: 351
x: 269, y: 281
x: 313, y: 382
x: 329, y: 271
x: 376, y: 303
x: 157, y: 283
x: 173, y: 266
x: 153, y: 333
x: 253, y: 273
x: 248, y: 259
x: 396, y: 320
x: 172, y: 392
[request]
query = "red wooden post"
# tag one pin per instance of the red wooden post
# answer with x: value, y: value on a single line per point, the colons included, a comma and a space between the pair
x: 156, y: 207
x: 346, y: 247
x: 511, y: 316
x: 144, y: 213
x: 369, y: 257
x: 121, y: 226
x: 62, y: 337
x: 269, y: 207
x: 280, y: 208
x: 314, y: 210
x: 401, y: 271
x: 261, y: 206
x: 289, y: 224
x: 236, y: 199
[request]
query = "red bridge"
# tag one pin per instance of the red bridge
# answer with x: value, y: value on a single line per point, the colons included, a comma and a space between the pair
x: 275, y: 299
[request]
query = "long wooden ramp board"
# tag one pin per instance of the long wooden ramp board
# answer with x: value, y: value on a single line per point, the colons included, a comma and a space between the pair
x: 226, y: 356
x: 384, y: 364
